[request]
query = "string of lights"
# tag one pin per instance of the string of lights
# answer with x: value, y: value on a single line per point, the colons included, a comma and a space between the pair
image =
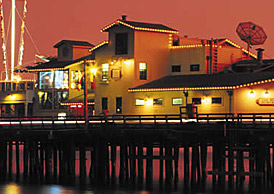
x: 3, y: 38
x: 21, y: 47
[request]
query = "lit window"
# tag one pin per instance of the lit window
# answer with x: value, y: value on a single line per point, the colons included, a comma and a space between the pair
x: 177, y: 101
x: 139, y: 102
x: 75, y: 79
x: 194, y: 67
x: 116, y: 74
x: 45, y: 79
x: 176, y: 68
x: 196, y: 100
x: 105, y: 68
x: 61, y: 79
x: 158, y: 101
x: 216, y: 100
x: 143, y: 71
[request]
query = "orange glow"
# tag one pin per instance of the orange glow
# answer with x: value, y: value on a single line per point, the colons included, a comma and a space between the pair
x: 251, y: 94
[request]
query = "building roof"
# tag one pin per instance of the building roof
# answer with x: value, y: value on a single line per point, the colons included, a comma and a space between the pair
x: 204, y: 81
x: 55, y: 64
x: 73, y: 42
x: 141, y: 26
x: 253, y: 65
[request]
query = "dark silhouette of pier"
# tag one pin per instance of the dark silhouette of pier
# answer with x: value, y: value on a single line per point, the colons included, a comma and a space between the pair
x: 241, y: 148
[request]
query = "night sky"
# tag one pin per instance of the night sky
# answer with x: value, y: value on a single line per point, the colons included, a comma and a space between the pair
x: 51, y: 21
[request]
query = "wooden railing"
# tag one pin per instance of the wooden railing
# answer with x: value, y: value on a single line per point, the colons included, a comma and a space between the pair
x: 246, y: 119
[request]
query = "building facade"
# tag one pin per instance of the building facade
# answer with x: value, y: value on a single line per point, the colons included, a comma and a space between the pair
x: 145, y: 68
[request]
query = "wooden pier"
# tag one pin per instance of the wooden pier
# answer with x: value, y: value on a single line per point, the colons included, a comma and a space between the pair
x: 122, y: 150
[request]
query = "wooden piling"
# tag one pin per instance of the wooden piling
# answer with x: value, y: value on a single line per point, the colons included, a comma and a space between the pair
x: 17, y: 160
x: 149, y: 165
x: 140, y: 164
x: 161, y: 167
x: 113, y: 163
x: 176, y: 164
x: 203, y: 161
x: 186, y: 164
x: 10, y: 159
x: 82, y: 150
x: 132, y: 151
x: 122, y: 164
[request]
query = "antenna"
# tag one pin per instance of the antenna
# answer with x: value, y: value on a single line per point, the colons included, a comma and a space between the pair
x: 251, y: 33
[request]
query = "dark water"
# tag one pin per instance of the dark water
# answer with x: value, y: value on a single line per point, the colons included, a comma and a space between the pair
x: 19, y: 188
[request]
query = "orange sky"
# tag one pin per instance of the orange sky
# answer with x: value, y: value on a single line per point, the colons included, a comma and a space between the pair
x: 50, y: 21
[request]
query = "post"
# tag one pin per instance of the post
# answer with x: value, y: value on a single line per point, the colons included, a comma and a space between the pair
x: 230, y: 93
x: 85, y: 96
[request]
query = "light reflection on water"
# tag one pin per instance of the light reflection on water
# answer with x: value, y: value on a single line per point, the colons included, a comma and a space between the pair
x: 56, y: 189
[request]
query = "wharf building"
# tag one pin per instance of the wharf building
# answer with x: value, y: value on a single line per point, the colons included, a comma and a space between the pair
x: 146, y: 68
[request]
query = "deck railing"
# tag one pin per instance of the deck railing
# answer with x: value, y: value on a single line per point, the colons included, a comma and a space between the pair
x: 244, y: 119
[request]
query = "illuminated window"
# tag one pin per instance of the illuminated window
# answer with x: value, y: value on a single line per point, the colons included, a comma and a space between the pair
x: 115, y: 73
x: 118, y: 105
x: 194, y: 67
x: 177, y: 101
x: 143, y: 71
x: 176, y: 68
x: 158, y: 101
x: 105, y: 69
x: 45, y: 100
x: 216, y: 100
x: 61, y: 79
x: 60, y: 97
x: 196, y: 100
x: 45, y: 79
x: 121, y: 44
x: 75, y: 79
x: 139, y: 102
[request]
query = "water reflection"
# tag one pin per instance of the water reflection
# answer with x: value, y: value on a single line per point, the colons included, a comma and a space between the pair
x: 12, y: 189
x: 56, y: 189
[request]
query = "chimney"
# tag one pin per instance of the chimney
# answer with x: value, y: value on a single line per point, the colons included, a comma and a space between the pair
x: 124, y: 17
x: 260, y: 55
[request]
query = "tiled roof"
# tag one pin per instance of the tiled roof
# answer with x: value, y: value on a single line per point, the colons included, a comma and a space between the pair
x: 58, y: 64
x: 73, y: 42
x: 203, y: 80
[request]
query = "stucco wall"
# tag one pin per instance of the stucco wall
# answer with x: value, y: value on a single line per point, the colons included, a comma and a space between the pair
x: 246, y: 103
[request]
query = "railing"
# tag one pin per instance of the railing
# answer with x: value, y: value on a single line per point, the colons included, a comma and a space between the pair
x: 243, y: 119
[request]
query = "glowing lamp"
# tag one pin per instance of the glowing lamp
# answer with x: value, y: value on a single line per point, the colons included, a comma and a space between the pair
x: 266, y: 93
x: 251, y: 94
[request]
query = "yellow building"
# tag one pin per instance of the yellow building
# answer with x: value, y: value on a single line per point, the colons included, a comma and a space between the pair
x: 216, y: 93
x: 137, y: 53
x: 144, y: 68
